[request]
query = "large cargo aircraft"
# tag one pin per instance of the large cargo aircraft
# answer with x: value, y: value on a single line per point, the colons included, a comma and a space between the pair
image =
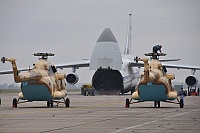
x: 115, y: 72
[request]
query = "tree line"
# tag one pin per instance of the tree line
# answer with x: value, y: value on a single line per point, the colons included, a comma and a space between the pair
x: 11, y: 86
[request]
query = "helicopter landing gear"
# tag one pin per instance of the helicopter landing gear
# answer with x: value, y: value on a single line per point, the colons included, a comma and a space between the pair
x: 156, y: 104
x: 14, y: 105
x: 67, y: 102
x: 127, y: 103
x: 50, y: 103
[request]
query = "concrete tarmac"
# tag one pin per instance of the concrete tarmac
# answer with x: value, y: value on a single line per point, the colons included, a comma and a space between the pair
x: 99, y: 114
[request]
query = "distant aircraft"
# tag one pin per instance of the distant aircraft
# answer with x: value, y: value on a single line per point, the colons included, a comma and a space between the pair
x: 41, y: 83
x: 114, y: 73
x: 155, y: 83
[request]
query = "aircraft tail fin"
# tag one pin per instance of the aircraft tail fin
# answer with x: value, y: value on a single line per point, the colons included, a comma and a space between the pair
x: 128, y: 38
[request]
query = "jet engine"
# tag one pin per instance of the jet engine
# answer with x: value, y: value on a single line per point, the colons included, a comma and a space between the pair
x: 191, y: 80
x: 72, y: 78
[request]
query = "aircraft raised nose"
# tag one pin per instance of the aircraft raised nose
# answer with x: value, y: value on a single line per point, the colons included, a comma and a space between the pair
x: 106, y: 53
x: 107, y: 61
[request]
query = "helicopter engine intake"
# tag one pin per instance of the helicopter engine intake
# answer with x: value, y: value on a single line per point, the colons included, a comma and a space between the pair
x: 191, y: 80
x: 72, y: 78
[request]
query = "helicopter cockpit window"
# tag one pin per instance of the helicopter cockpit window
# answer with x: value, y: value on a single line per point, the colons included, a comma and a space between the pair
x: 52, y: 69
x: 164, y: 69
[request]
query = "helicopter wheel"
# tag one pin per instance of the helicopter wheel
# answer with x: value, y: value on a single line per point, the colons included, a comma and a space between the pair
x: 67, y: 102
x: 155, y: 104
x: 127, y: 103
x: 158, y: 104
x: 48, y: 103
x: 14, y: 103
x: 51, y: 102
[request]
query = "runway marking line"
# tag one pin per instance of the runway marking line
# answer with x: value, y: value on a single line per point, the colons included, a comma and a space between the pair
x: 146, y: 123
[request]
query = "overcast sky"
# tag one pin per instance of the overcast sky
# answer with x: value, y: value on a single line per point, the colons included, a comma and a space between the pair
x: 70, y: 29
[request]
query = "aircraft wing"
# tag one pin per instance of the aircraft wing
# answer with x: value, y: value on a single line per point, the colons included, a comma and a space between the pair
x: 134, y: 64
x: 180, y: 66
x: 86, y: 63
x: 11, y: 71
x: 77, y: 64
x: 168, y: 60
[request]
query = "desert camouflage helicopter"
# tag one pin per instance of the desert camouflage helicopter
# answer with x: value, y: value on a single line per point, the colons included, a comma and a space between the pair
x: 41, y: 83
x: 155, y: 83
